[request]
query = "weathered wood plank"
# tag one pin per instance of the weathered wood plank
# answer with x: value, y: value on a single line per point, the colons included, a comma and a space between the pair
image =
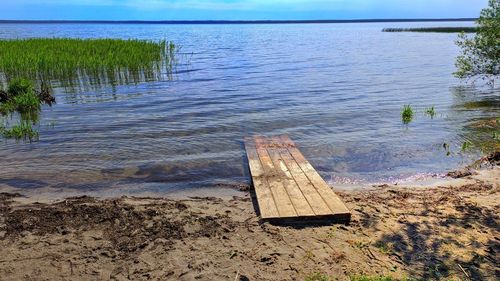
x: 316, y: 202
x: 267, y: 206
x: 280, y: 195
x: 288, y: 188
x: 331, y: 199
x: 300, y: 203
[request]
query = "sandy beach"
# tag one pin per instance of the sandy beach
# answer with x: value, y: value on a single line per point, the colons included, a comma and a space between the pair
x: 448, y: 231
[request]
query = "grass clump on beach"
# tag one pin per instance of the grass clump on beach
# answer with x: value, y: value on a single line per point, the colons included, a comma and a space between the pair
x: 407, y: 114
x: 66, y: 59
x: 434, y: 29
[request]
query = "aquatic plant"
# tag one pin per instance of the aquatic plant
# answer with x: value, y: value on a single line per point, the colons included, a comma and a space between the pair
x: 28, y: 101
x: 430, y: 111
x: 23, y: 130
x: 67, y: 59
x: 19, y: 86
x: 466, y: 146
x: 446, y: 147
x: 483, y: 134
x: 407, y: 114
x: 433, y: 29
x: 23, y: 100
x: 20, y: 97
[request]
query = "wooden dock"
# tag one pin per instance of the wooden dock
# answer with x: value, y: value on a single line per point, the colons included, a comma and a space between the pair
x: 287, y: 186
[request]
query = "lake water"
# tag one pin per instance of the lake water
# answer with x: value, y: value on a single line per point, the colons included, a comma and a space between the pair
x: 336, y: 89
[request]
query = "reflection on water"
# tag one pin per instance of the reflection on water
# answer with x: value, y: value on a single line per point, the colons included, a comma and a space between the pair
x: 336, y: 89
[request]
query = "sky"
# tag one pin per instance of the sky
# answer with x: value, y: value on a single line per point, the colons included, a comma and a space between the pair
x: 236, y: 9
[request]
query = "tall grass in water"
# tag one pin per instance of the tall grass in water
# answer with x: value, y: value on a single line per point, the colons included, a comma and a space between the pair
x: 433, y: 29
x: 22, y: 101
x: 23, y: 130
x: 431, y: 112
x: 67, y: 60
x: 407, y: 114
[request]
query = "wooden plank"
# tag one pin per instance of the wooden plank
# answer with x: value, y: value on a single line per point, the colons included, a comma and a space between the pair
x: 280, y: 195
x: 300, y: 203
x: 287, y: 187
x: 316, y: 202
x: 267, y: 206
x: 331, y: 199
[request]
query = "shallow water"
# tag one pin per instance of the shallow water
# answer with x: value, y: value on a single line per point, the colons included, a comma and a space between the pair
x: 336, y: 89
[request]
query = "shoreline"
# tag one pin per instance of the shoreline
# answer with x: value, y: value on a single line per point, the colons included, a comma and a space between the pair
x: 227, y: 191
x: 447, y: 230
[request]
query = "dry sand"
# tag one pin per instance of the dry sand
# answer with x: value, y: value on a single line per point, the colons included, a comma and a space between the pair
x: 447, y: 231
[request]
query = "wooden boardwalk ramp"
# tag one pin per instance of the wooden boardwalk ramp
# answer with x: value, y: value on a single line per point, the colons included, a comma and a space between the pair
x: 287, y: 187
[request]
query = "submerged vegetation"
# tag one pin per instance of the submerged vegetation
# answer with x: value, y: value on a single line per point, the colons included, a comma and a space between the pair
x: 23, y: 130
x: 431, y: 112
x: 466, y: 146
x: 68, y: 60
x: 407, y: 114
x: 433, y: 29
x: 21, y: 99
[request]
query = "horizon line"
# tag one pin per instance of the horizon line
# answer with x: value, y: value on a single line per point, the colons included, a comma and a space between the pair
x: 240, y: 21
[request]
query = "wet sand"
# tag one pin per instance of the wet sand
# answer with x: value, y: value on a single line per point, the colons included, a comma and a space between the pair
x: 446, y: 231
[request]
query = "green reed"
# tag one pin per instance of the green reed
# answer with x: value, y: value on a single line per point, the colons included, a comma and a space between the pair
x: 433, y: 29
x: 21, y: 102
x: 431, y: 112
x: 407, y: 114
x: 67, y: 59
x: 24, y: 130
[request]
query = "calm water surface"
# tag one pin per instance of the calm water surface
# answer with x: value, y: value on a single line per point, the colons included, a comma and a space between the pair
x: 336, y: 89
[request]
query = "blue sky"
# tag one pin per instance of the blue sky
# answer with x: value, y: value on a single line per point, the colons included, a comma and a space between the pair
x: 237, y: 9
